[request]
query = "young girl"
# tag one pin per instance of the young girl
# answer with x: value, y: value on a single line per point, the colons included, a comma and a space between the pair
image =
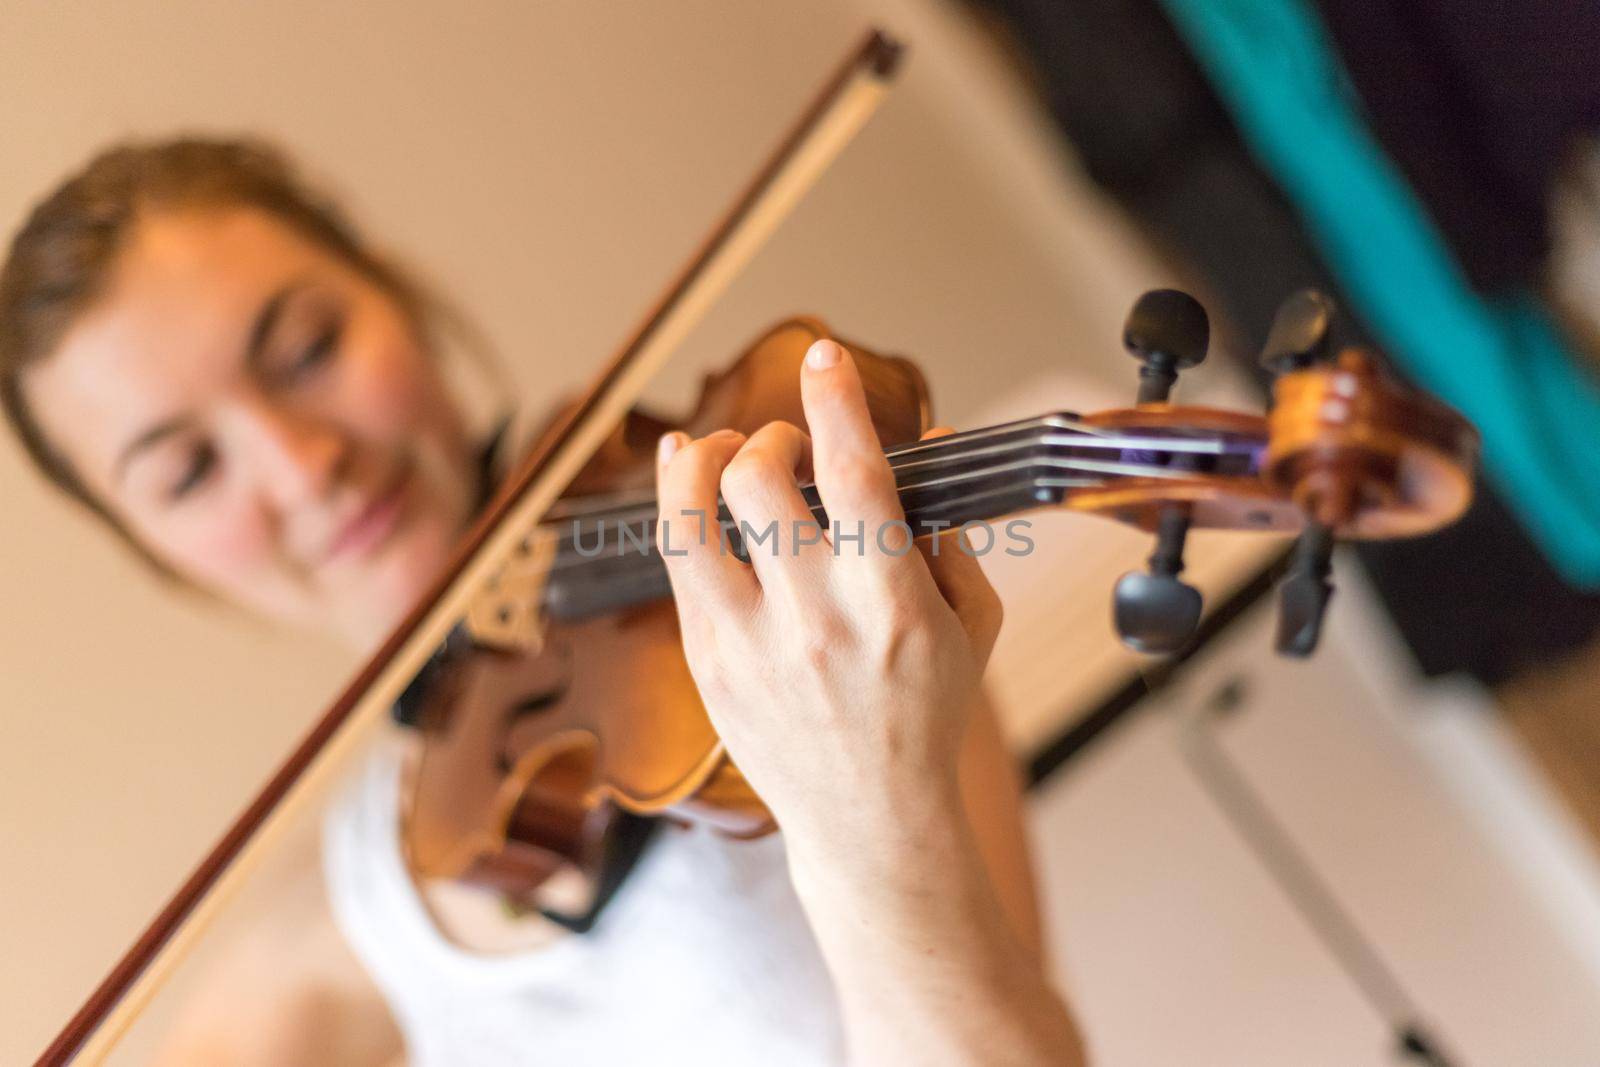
x: 201, y: 351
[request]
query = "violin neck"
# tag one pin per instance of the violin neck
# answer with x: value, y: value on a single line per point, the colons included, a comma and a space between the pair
x: 606, y: 554
x: 625, y: 566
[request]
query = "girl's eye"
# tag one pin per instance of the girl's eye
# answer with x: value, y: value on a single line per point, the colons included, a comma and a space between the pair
x: 321, y: 349
x: 201, y: 462
x: 294, y: 364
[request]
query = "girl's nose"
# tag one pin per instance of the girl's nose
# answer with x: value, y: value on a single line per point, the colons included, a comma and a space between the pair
x: 301, y: 457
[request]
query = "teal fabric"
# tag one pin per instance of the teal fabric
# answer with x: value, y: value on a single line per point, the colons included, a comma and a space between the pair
x: 1503, y: 363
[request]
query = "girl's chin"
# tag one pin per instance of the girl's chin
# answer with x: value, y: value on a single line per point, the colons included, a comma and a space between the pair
x: 398, y: 580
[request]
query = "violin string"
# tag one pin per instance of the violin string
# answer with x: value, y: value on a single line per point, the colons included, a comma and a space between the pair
x: 635, y: 540
x: 618, y: 532
x: 628, y: 568
x: 635, y: 527
x: 636, y: 505
x: 603, y: 505
x: 1061, y: 427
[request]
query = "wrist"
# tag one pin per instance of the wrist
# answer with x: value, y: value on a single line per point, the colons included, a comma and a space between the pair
x: 888, y: 848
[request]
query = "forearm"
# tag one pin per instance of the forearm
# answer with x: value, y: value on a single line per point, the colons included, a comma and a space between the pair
x: 991, y: 795
x: 927, y: 967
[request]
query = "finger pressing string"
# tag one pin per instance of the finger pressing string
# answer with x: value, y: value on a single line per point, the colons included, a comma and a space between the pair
x: 699, y: 562
x: 853, y: 477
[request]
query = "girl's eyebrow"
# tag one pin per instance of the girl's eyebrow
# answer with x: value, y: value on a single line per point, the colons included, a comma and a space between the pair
x: 255, y: 346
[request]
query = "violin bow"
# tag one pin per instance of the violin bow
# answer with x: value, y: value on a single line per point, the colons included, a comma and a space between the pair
x: 839, y: 110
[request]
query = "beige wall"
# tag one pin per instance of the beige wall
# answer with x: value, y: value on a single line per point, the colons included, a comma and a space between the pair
x: 549, y: 164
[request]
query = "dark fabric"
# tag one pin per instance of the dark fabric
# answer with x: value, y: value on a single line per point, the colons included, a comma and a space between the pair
x: 1478, y: 597
x: 1477, y: 103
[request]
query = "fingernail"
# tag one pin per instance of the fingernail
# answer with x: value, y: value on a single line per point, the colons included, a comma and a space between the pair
x: 823, y: 355
x: 668, y: 445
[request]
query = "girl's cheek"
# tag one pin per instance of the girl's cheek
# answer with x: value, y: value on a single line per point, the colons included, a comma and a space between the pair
x: 231, y: 551
x: 389, y: 387
x: 383, y: 404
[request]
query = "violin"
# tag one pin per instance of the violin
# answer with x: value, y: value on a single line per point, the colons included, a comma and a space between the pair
x: 563, y: 699
x: 543, y: 672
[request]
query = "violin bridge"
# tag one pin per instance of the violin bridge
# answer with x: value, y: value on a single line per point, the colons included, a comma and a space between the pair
x: 506, y: 613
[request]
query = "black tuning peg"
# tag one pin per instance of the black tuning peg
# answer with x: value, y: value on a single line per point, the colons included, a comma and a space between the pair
x: 1301, y: 336
x: 1300, y: 332
x: 1167, y: 330
x: 1155, y: 611
x: 1303, y: 597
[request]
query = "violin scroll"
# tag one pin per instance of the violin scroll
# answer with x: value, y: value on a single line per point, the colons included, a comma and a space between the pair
x: 1346, y: 452
x: 1360, y: 455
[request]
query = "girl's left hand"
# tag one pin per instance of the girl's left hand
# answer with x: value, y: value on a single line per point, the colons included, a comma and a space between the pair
x: 840, y: 671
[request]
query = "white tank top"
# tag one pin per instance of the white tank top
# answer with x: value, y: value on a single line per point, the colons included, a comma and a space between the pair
x: 703, y: 956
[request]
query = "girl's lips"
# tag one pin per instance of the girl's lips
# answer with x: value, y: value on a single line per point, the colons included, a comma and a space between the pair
x: 372, y: 525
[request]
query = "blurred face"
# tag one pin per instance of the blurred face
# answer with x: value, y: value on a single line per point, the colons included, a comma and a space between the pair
x: 265, y: 420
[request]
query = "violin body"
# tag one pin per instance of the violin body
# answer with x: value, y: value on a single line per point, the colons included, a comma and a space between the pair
x: 529, y: 751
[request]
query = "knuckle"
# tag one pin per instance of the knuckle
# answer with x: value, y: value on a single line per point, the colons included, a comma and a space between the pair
x: 747, y: 474
x: 783, y: 430
x: 861, y: 475
x: 903, y: 633
x: 682, y: 476
x: 906, y: 626
x: 816, y: 655
x: 822, y: 644
x: 697, y: 456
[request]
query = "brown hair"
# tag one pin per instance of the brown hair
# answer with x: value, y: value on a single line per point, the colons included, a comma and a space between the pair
x: 62, y: 257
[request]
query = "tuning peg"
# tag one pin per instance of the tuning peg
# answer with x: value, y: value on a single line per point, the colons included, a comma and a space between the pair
x: 1300, y: 334
x: 1303, y: 597
x: 1167, y: 330
x: 1155, y: 611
